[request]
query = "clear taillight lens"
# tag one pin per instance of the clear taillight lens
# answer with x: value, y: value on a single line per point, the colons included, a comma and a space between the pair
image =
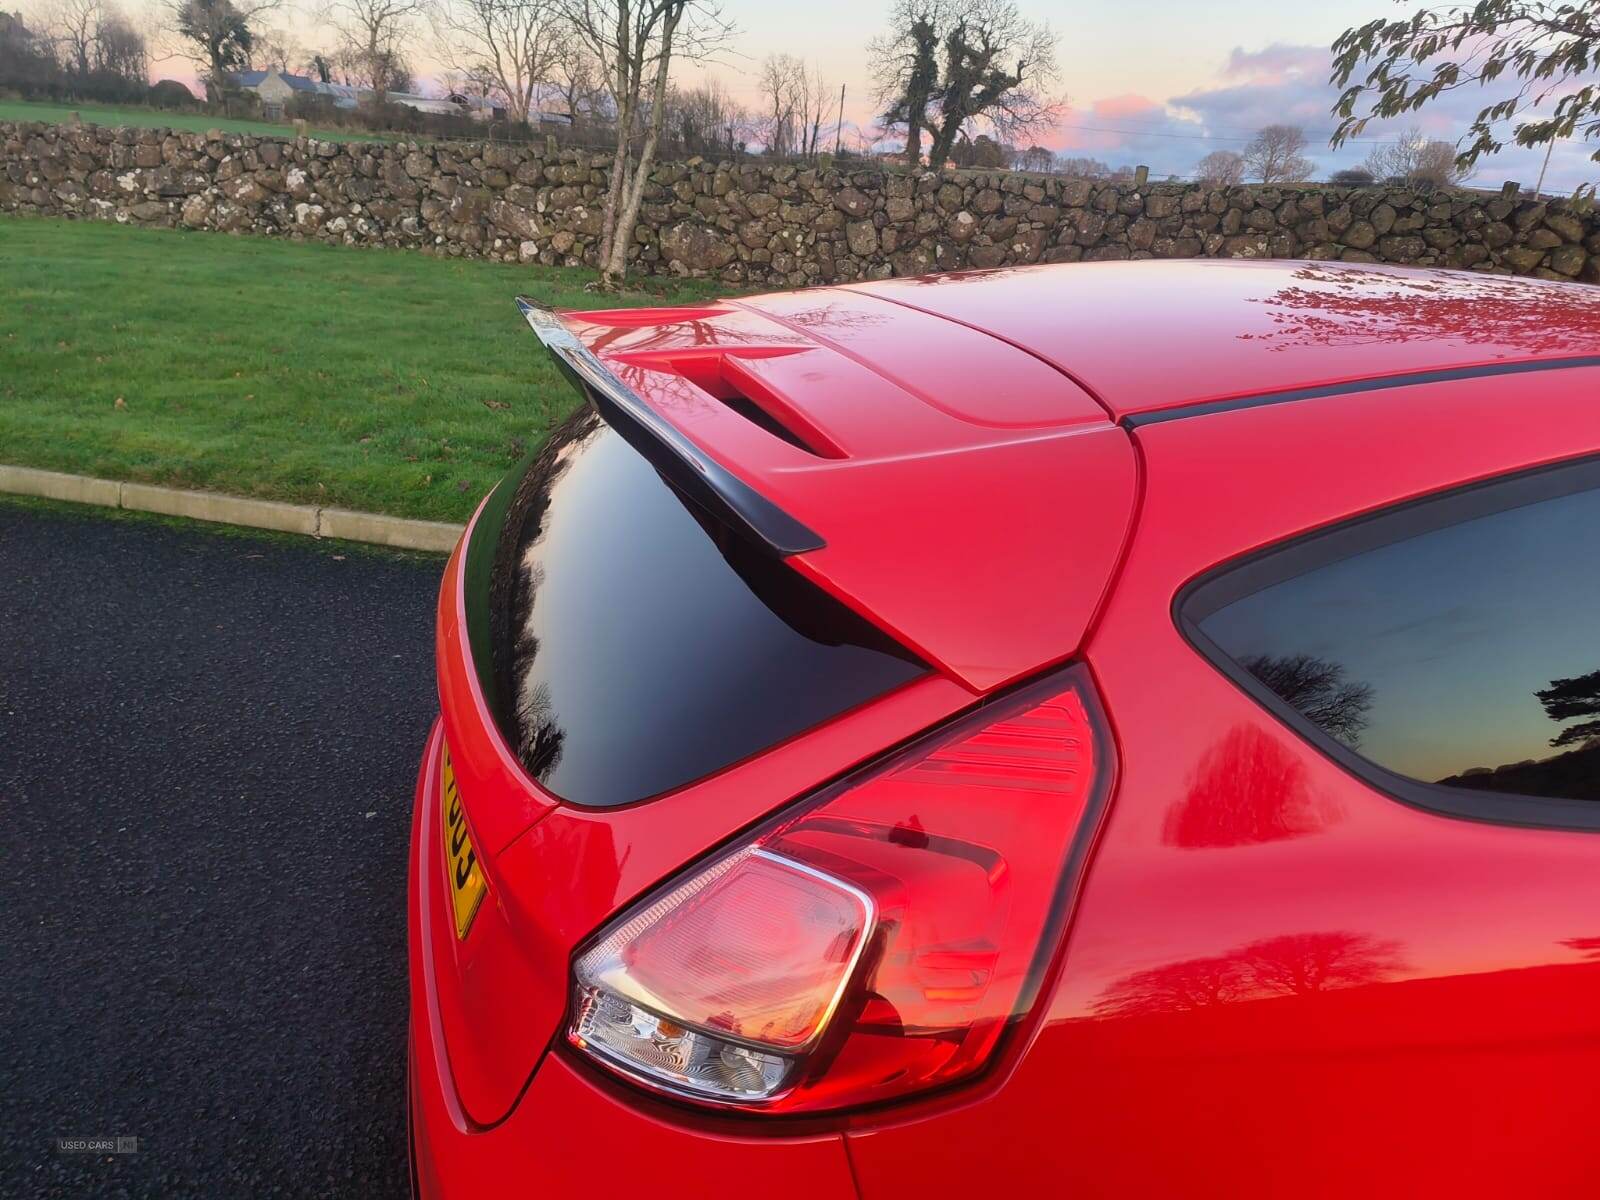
x: 749, y: 958
x: 874, y: 942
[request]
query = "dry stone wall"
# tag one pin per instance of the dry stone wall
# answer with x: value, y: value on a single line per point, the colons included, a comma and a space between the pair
x: 756, y: 223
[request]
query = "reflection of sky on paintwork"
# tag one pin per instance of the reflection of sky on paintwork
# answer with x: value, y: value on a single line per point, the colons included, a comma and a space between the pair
x: 1454, y: 631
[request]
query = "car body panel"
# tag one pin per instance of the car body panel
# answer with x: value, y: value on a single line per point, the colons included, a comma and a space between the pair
x: 566, y: 1135
x: 493, y: 1014
x: 1431, y: 1022
x: 503, y: 989
x: 907, y: 481
x: 961, y: 372
x: 1275, y: 978
x: 1159, y: 334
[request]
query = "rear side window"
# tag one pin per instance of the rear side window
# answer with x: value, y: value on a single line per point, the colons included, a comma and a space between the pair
x: 1448, y: 650
x: 635, y: 645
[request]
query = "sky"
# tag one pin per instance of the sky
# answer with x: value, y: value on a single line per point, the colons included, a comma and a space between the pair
x: 1157, y: 82
x: 1153, y: 82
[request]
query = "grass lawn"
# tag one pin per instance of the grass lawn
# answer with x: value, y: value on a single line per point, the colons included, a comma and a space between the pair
x: 388, y: 381
x: 150, y: 118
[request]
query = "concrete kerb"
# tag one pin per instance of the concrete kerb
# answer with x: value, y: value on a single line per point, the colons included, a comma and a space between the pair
x: 310, y: 520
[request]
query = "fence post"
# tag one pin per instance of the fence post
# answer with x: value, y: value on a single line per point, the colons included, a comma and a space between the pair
x: 1141, y: 176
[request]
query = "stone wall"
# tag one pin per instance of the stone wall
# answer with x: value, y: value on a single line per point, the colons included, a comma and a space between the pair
x: 755, y: 222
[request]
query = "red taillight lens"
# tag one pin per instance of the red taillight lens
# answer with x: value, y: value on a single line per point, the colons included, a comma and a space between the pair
x: 875, y: 942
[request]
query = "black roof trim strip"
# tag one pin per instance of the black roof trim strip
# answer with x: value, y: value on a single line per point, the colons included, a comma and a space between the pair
x: 1207, y: 407
x: 725, y: 496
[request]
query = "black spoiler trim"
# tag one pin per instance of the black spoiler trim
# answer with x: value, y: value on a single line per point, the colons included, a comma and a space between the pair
x: 696, y: 474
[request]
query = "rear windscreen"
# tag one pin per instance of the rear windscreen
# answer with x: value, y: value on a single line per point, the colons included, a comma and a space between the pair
x: 635, y: 645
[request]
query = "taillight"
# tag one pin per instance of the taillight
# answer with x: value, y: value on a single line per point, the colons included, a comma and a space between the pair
x: 874, y: 942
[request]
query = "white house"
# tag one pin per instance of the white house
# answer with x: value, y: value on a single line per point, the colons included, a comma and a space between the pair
x: 275, y: 88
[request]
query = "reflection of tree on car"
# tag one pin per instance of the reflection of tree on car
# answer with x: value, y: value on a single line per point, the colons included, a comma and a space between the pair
x: 1248, y: 789
x: 1298, y: 964
x: 1568, y: 698
x: 1317, y: 690
x: 1589, y: 947
x: 1575, y: 774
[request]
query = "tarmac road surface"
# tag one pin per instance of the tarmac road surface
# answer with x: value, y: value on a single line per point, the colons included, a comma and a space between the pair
x: 207, y: 750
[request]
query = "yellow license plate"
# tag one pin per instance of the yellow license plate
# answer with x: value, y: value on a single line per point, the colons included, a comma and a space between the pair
x: 467, y: 885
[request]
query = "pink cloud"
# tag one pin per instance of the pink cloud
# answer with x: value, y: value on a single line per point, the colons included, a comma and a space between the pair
x: 1130, y: 105
x: 1276, y: 63
x: 1108, y: 124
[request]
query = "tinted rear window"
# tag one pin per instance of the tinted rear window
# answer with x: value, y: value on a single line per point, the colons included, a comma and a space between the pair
x: 1454, y: 643
x: 637, y: 646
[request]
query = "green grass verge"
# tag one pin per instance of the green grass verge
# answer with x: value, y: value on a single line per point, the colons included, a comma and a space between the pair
x: 151, y: 118
x: 385, y: 381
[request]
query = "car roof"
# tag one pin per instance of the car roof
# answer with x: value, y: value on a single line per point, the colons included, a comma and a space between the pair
x: 1152, y: 335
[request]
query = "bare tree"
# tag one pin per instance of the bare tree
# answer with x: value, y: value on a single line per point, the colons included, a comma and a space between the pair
x: 121, y: 49
x: 349, y: 66
x: 1221, y: 168
x: 1274, y: 155
x: 706, y: 119
x: 794, y: 101
x: 634, y: 42
x: 575, y: 78
x: 1079, y: 167
x: 377, y: 34
x: 507, y: 48
x: 90, y: 36
x: 816, y: 103
x: 776, y: 85
x: 275, y: 47
x: 814, y: 99
x: 71, y: 26
x: 948, y: 64
x: 355, y: 67
x: 1416, y: 158
x: 1438, y: 165
x: 1039, y: 159
x: 863, y: 140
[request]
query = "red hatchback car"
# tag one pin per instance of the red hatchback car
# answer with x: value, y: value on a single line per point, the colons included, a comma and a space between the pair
x: 1121, y: 729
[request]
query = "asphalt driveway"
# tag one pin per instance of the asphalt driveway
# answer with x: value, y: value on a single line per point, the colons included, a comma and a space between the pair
x: 207, y: 750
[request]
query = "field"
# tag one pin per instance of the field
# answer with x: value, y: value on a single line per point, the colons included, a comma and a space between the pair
x: 151, y: 118
x: 388, y: 381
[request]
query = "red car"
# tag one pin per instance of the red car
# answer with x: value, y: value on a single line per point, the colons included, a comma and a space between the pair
x: 1121, y: 729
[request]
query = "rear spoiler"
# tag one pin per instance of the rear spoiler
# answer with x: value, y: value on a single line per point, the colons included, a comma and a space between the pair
x: 696, y: 474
